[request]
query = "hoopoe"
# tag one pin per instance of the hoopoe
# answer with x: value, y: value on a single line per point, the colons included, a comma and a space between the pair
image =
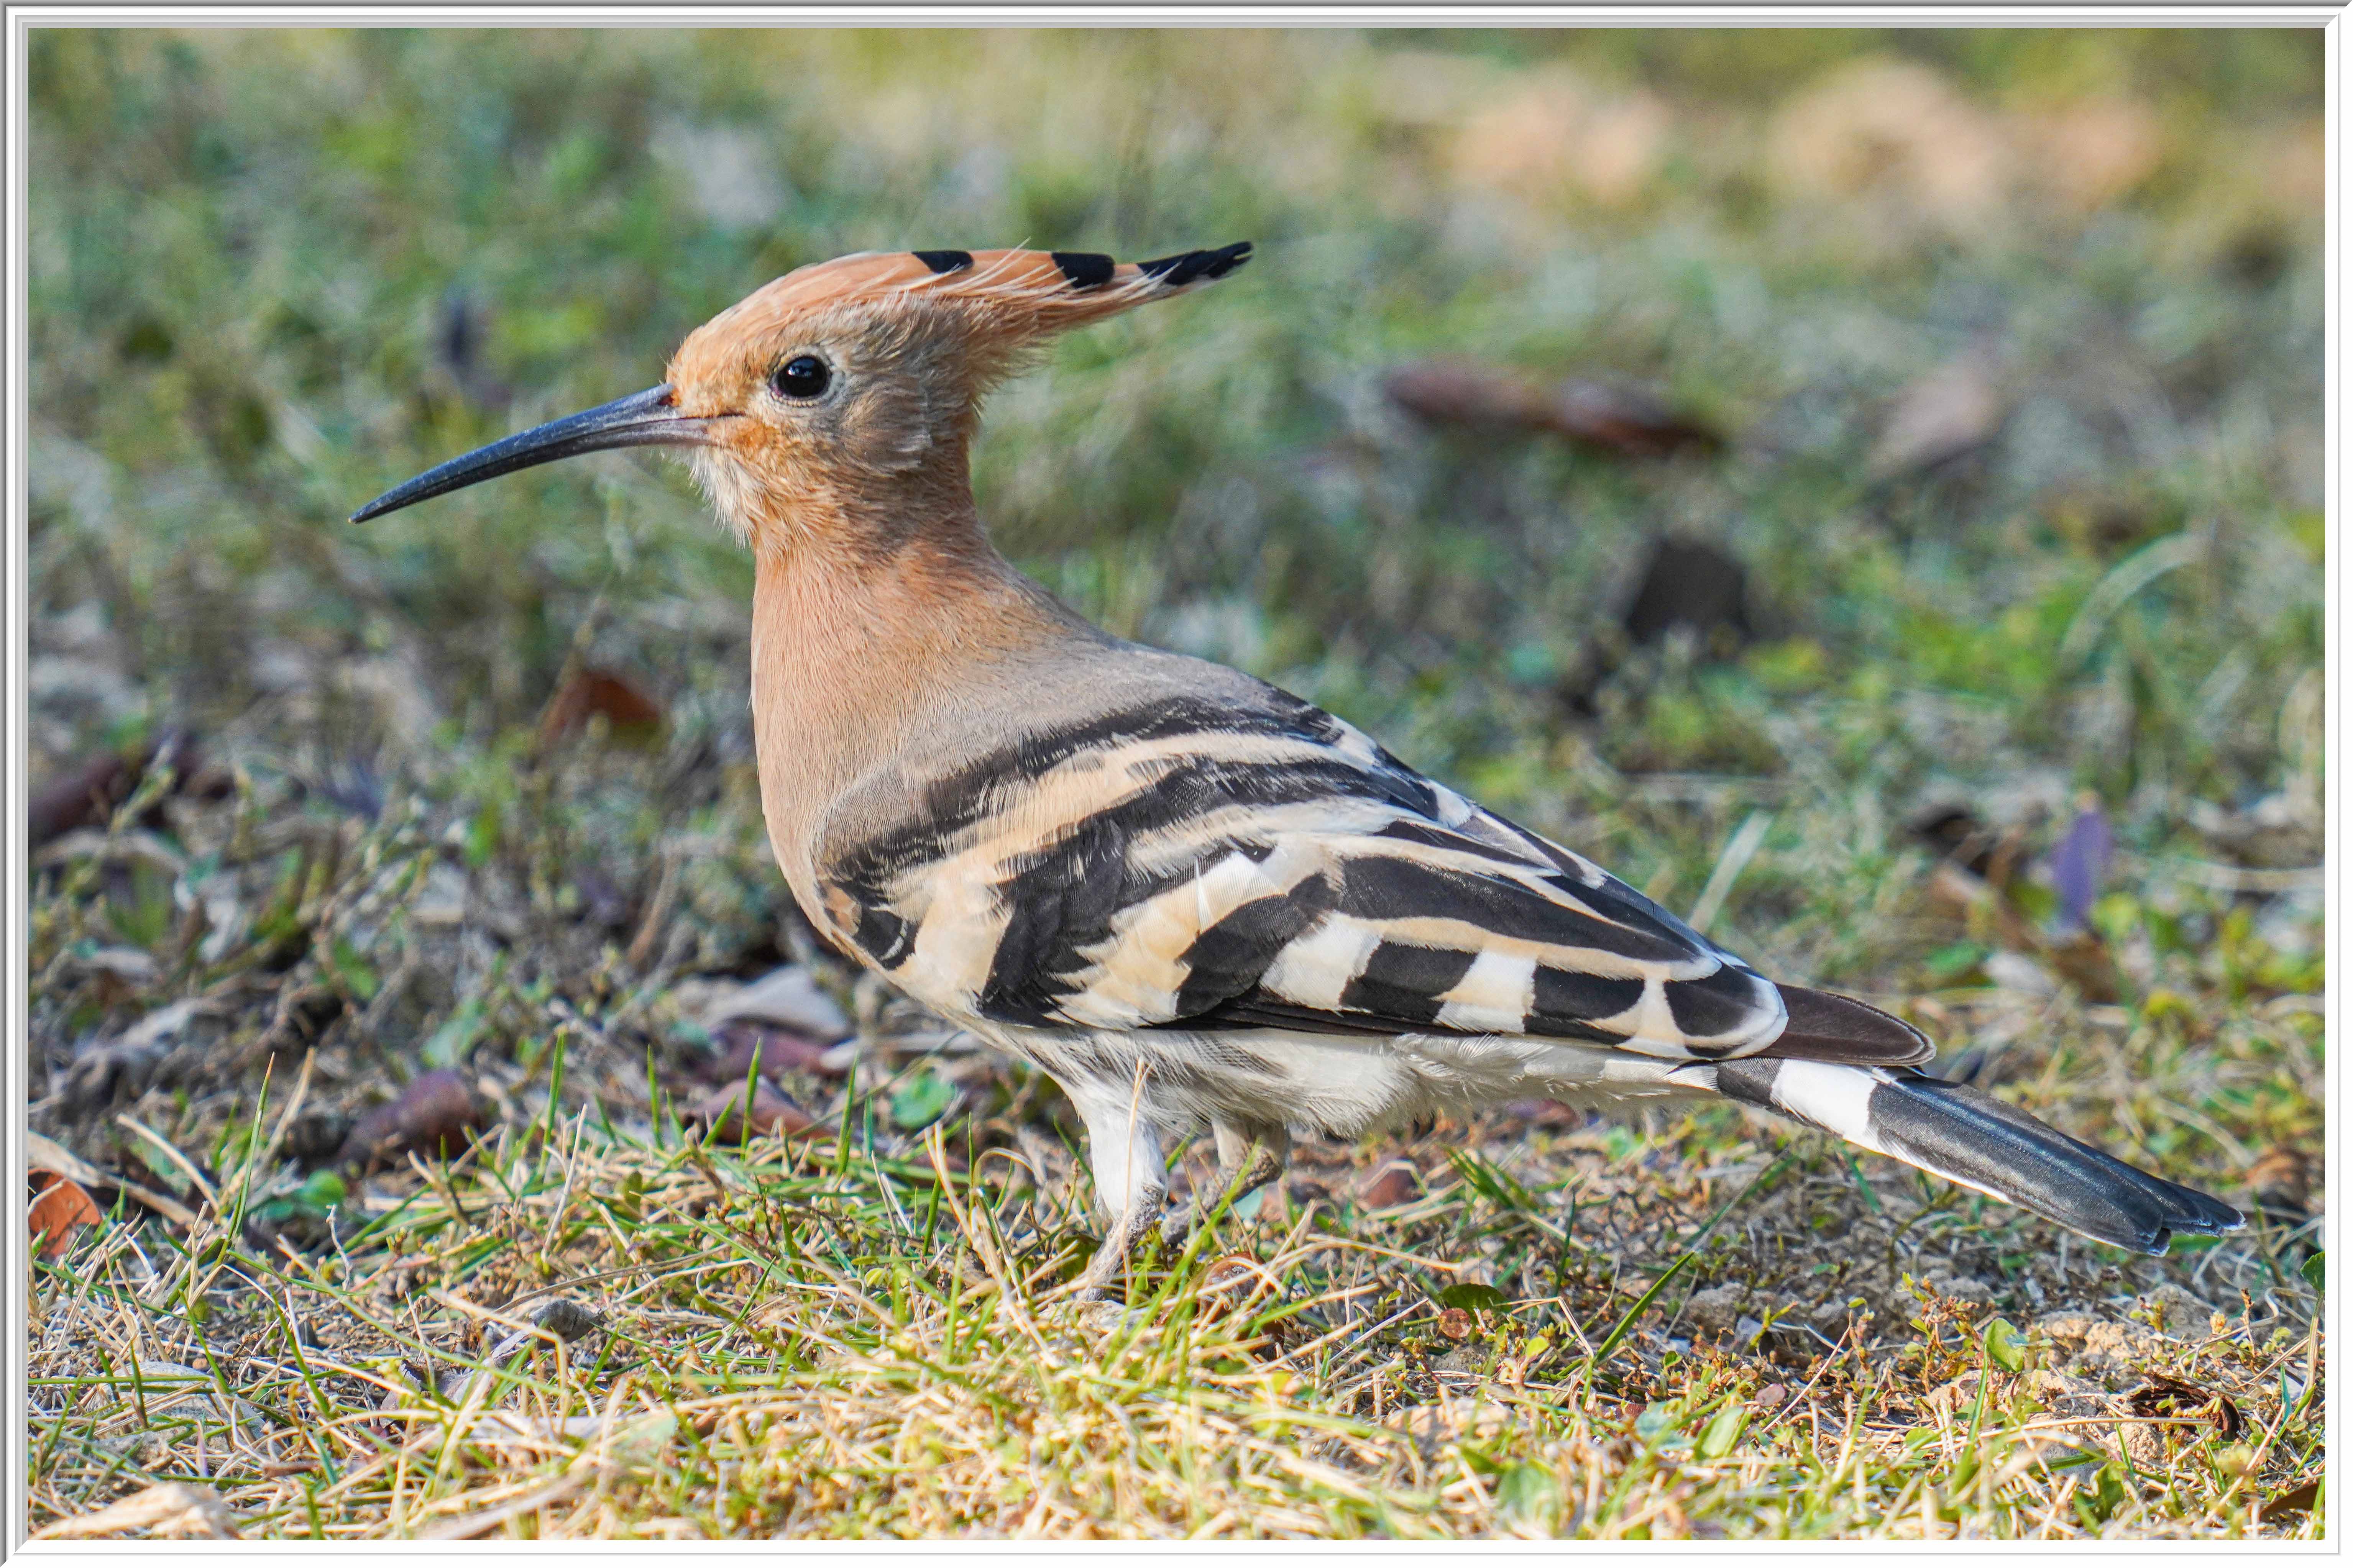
x: 1191, y: 898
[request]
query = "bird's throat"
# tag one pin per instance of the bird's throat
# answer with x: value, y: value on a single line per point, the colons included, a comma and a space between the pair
x: 858, y: 656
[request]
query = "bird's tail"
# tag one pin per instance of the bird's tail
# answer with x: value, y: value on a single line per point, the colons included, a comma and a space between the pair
x: 1971, y: 1138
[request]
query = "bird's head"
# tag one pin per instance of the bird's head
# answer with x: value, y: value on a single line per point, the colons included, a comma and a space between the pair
x: 843, y: 395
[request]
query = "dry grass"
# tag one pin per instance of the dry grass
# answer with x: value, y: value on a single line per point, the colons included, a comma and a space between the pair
x: 817, y: 1338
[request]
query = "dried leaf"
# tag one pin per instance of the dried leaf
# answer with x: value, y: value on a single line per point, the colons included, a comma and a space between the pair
x: 568, y: 1318
x: 89, y: 792
x: 1955, y: 832
x: 1944, y: 415
x: 103, y: 1070
x: 172, y: 1508
x: 754, y: 1049
x: 436, y: 1115
x: 1603, y: 416
x: 1624, y: 421
x: 604, y: 902
x: 85, y: 796
x: 2294, y: 1502
x: 59, y: 1207
x: 635, y: 719
x: 1452, y: 392
x: 790, y: 998
x: 1392, y: 1184
x: 2280, y: 1182
x: 2171, y: 1396
x: 44, y: 1154
x: 1234, y: 1271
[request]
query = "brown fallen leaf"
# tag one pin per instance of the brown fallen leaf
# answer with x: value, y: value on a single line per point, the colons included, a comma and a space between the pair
x: 436, y: 1115
x: 1604, y: 416
x: 85, y: 796
x: 724, y: 1116
x: 604, y: 902
x: 301, y: 1017
x: 88, y: 794
x: 44, y: 1154
x: 1455, y: 391
x: 1685, y: 582
x: 1953, y: 410
x: 1975, y: 883
x: 635, y: 718
x: 59, y: 1206
x: 2281, y: 1183
x: 2293, y: 1503
x: 171, y: 1509
x: 751, y: 1048
x: 1953, y: 831
x: 1391, y: 1185
x: 2171, y: 1396
x: 1625, y: 421
x: 787, y: 998
x: 2083, y: 960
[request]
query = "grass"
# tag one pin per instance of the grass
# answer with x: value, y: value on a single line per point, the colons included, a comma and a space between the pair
x: 252, y: 253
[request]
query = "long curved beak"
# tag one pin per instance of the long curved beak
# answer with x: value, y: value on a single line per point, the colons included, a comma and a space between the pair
x: 648, y: 419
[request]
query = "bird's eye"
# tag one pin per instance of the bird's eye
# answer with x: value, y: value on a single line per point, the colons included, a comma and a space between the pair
x: 803, y: 376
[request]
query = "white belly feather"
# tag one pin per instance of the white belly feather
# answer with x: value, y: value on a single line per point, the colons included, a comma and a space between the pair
x: 1341, y: 1085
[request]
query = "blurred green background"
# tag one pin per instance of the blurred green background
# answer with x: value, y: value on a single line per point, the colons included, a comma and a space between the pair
x: 274, y: 272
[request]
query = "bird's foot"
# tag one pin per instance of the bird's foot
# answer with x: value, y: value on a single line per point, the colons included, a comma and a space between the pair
x: 1244, y: 1172
x: 1128, y: 1236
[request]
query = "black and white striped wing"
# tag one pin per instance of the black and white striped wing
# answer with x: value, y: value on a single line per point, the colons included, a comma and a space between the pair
x: 1192, y: 865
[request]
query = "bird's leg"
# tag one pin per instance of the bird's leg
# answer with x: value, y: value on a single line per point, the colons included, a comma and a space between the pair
x: 1250, y: 1155
x: 1131, y: 1183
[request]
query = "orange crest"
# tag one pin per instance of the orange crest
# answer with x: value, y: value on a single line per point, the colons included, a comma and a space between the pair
x: 996, y: 304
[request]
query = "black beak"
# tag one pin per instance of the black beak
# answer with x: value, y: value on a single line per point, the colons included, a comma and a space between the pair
x: 648, y: 419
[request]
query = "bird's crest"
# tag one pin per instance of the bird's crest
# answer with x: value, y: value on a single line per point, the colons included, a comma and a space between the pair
x: 1001, y: 302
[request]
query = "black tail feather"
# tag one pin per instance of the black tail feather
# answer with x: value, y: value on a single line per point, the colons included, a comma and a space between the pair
x: 1970, y: 1137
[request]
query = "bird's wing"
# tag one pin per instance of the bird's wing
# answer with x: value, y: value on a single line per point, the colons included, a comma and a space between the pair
x: 1189, y: 864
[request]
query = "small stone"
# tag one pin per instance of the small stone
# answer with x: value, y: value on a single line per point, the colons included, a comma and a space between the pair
x: 567, y: 1319
x: 1958, y: 1287
x: 2177, y: 1312
x: 1716, y: 1309
x: 2096, y: 1345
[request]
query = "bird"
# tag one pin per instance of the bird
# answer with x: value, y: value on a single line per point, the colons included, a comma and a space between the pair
x: 1196, y: 901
